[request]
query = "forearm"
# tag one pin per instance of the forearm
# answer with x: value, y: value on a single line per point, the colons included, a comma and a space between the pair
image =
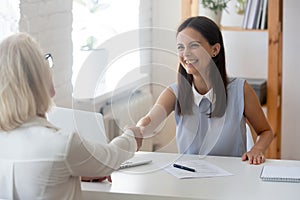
x: 86, y: 158
x: 256, y: 154
x: 264, y: 140
x: 152, y: 121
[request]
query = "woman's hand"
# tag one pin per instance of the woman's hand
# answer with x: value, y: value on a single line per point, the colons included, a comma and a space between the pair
x: 138, y: 136
x: 96, y: 179
x: 255, y: 156
x: 142, y: 123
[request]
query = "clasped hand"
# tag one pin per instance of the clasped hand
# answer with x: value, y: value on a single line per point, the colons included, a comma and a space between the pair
x: 137, y: 135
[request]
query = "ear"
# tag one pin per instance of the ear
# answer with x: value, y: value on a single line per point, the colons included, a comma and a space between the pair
x: 215, y: 49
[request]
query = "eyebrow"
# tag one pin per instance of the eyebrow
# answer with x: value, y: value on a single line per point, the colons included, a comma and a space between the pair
x: 195, y: 41
x: 190, y: 42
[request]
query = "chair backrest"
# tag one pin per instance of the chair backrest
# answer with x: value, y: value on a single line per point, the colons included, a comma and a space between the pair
x: 249, y: 139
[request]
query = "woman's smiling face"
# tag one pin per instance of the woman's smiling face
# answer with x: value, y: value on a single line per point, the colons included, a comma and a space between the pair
x: 194, y: 51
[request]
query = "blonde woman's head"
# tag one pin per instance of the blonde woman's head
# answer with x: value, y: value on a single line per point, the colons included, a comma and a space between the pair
x: 25, y: 81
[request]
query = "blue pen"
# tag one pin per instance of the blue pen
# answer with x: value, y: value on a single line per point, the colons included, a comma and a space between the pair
x: 184, y: 167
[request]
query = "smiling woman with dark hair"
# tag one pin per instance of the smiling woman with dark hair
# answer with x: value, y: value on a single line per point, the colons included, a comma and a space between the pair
x: 210, y: 111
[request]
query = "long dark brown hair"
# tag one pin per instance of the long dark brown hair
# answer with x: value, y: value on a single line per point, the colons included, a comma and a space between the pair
x: 218, y: 76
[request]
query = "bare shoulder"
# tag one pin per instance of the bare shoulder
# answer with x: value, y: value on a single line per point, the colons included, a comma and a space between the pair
x: 249, y: 93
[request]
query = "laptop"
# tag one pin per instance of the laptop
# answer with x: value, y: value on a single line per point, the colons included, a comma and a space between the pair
x: 89, y: 124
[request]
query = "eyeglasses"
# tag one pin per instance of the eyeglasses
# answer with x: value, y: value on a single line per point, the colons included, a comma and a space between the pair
x: 49, y: 58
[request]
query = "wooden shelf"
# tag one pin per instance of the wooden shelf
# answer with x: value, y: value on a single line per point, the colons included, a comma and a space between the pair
x: 231, y: 28
x: 274, y: 87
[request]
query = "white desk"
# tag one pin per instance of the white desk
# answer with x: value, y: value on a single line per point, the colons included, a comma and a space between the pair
x: 151, y: 182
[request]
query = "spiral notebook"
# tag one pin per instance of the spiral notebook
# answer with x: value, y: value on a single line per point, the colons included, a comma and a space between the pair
x: 280, y: 174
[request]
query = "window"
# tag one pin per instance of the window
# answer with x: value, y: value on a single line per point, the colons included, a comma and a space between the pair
x: 9, y: 17
x: 102, y: 27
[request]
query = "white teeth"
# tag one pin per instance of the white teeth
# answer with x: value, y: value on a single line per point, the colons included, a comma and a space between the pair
x: 190, y: 61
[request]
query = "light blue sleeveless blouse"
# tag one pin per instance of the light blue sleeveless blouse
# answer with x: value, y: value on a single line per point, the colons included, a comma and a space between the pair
x: 232, y: 138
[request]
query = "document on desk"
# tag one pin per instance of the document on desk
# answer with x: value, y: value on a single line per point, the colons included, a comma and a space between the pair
x: 203, y: 169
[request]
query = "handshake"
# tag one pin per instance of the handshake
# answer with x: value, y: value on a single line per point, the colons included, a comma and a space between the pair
x: 138, y: 135
x: 149, y: 124
x: 140, y: 130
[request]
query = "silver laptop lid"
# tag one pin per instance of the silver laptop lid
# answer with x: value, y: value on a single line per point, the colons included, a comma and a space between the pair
x: 89, y: 125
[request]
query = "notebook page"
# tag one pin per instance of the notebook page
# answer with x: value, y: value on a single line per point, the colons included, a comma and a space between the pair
x: 280, y: 173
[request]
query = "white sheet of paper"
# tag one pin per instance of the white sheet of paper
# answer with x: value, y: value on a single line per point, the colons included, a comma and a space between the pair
x: 202, y: 167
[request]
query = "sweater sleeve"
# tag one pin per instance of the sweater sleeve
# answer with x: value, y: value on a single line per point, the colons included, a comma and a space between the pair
x: 86, y: 158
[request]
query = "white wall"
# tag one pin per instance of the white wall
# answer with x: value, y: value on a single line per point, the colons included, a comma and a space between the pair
x: 50, y: 23
x: 246, y: 53
x: 290, y: 74
x: 165, y: 19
